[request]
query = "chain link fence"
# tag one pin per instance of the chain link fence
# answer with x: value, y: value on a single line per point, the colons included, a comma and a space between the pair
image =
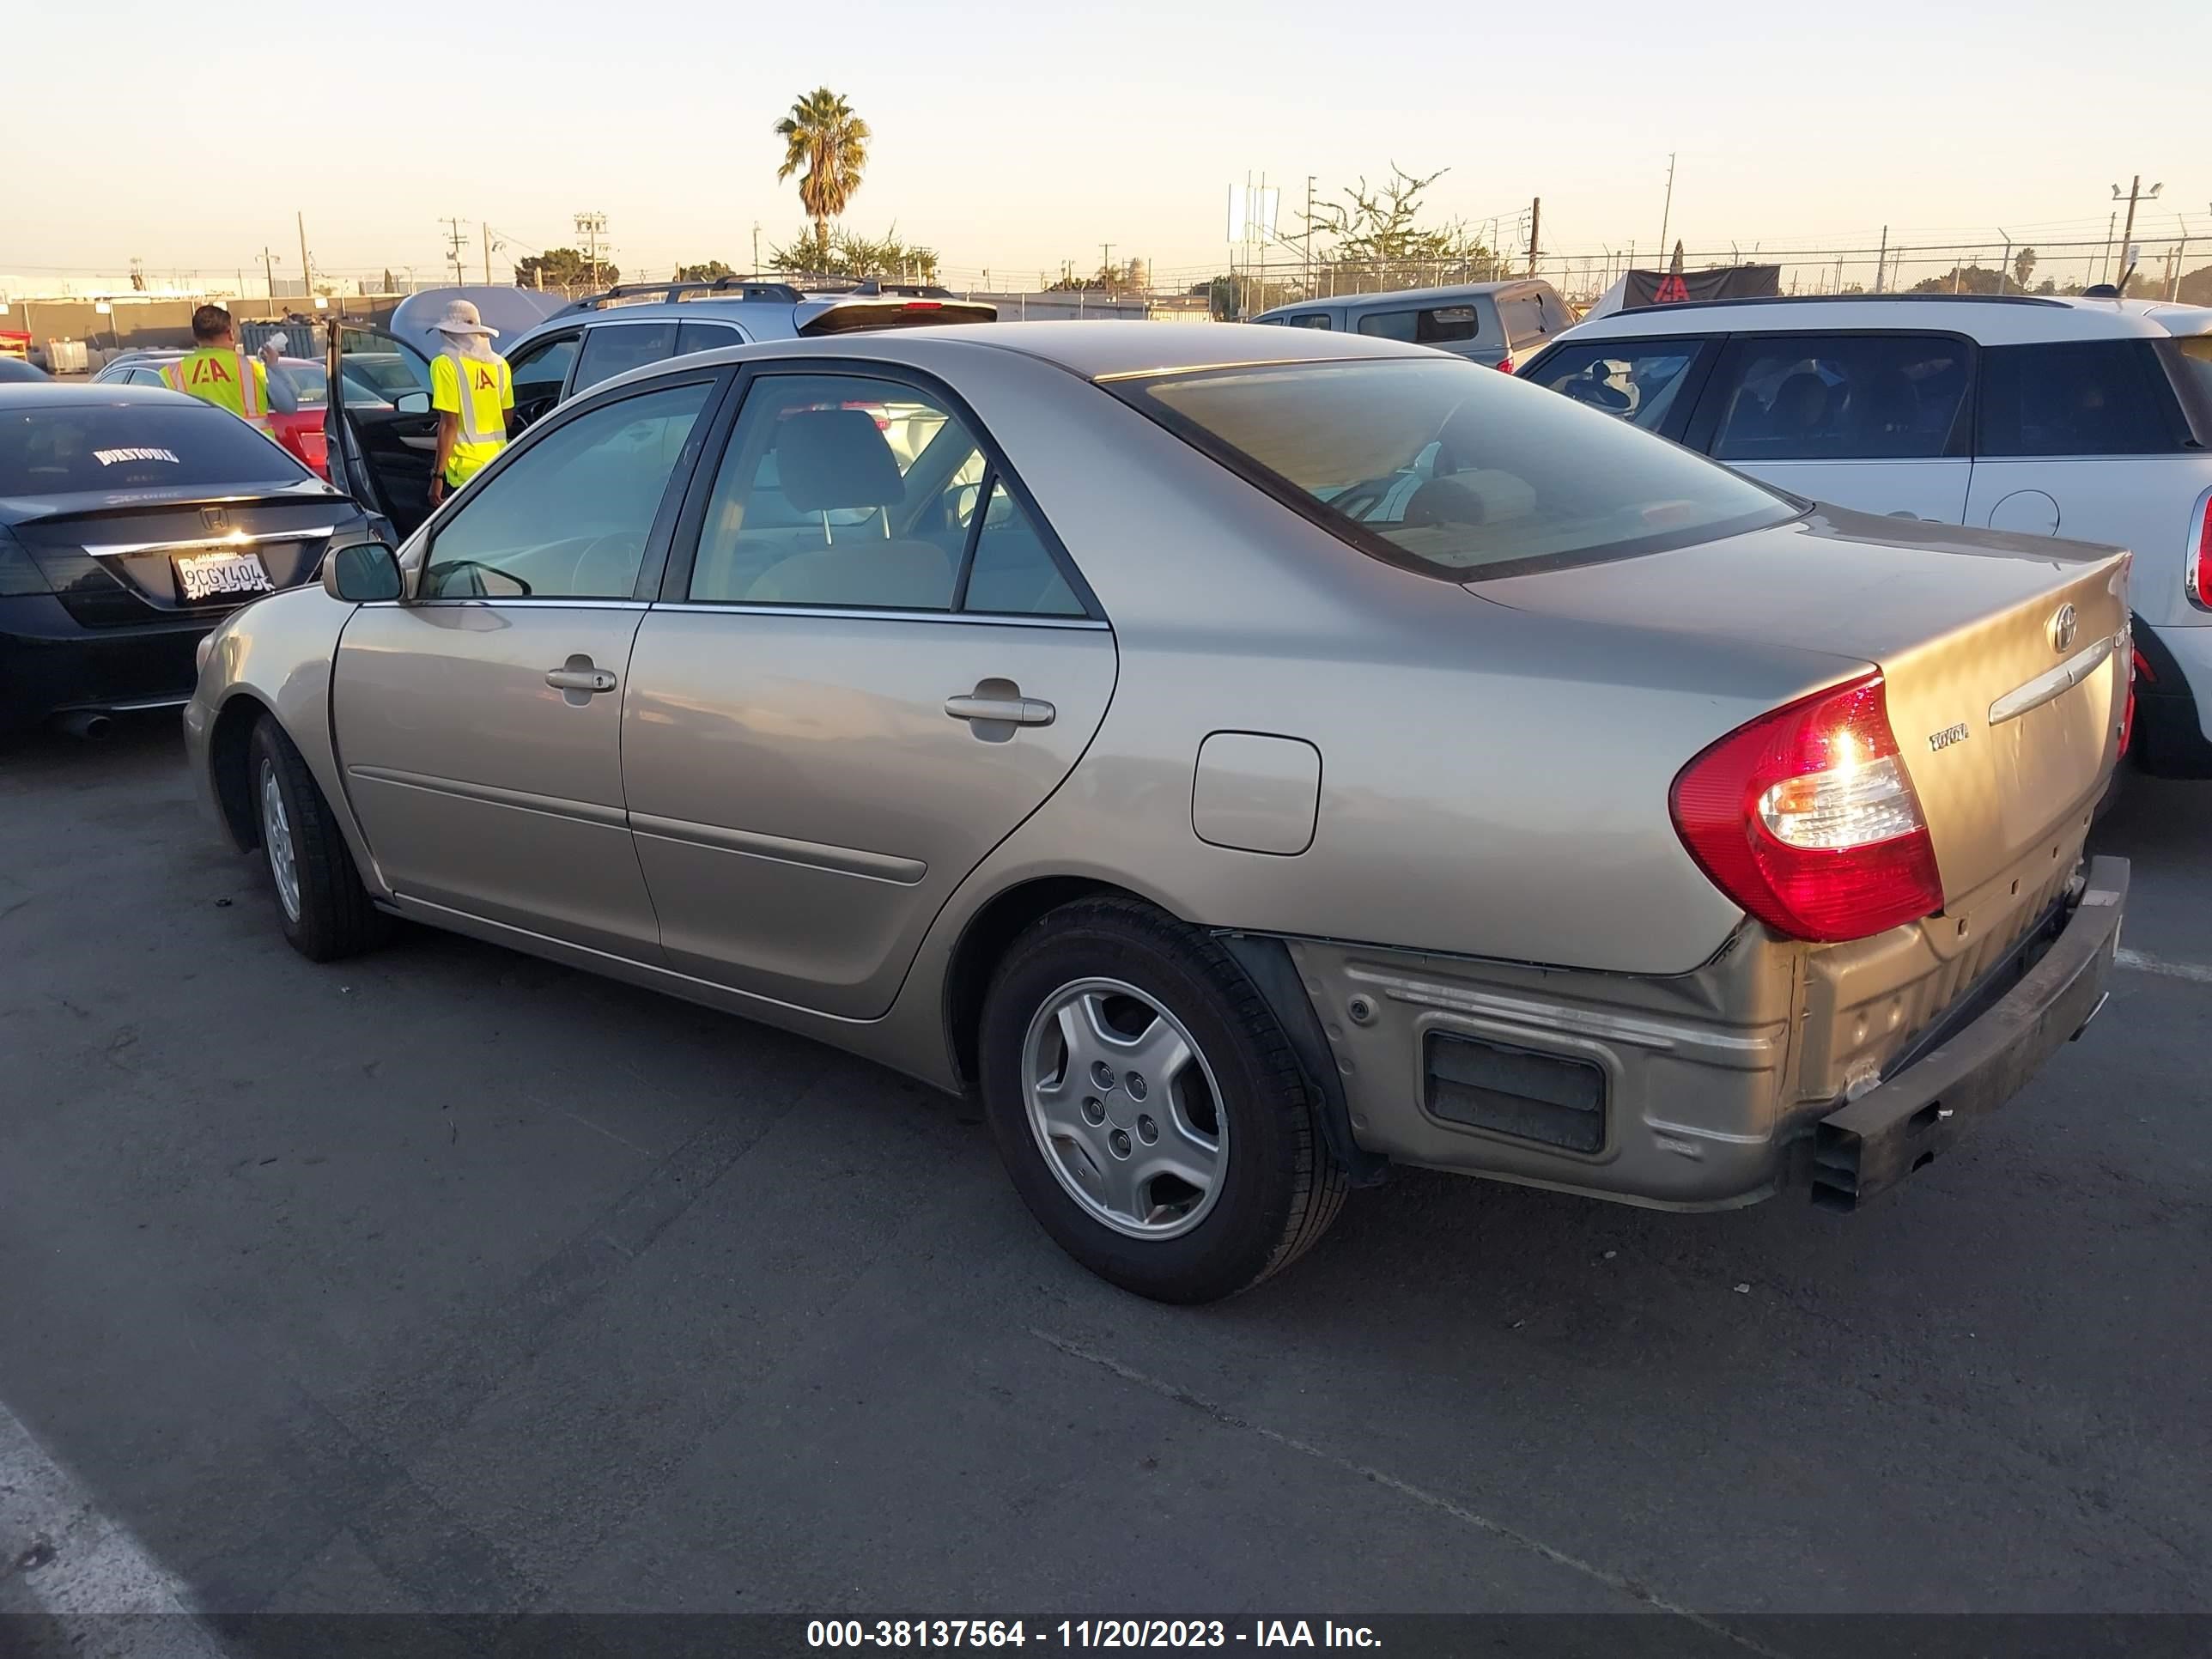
x: 2165, y: 268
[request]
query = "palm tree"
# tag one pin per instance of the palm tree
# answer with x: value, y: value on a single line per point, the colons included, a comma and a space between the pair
x: 823, y: 136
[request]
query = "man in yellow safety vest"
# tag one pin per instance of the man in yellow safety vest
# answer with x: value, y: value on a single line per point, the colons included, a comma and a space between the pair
x: 471, y: 388
x: 219, y: 371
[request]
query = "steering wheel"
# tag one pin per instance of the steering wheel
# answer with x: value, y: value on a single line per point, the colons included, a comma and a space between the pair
x: 625, y: 544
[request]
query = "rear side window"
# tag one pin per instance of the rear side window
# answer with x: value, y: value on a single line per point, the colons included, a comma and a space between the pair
x: 1644, y: 382
x: 2081, y: 398
x: 1838, y: 396
x: 617, y: 348
x: 1308, y: 320
x: 1451, y: 468
x: 1523, y: 319
x: 705, y: 337
x: 60, y: 450
x: 1425, y: 325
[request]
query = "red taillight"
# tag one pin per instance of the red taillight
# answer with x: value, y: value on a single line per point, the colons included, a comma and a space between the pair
x: 2199, y: 568
x: 1506, y: 364
x: 1807, y: 818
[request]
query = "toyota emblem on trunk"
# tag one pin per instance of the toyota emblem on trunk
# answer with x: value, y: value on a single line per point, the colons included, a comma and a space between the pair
x: 2061, y: 629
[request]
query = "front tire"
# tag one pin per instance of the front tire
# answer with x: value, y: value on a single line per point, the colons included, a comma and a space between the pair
x: 1148, y: 1107
x: 325, y: 909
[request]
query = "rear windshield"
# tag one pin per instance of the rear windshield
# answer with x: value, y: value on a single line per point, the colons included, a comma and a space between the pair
x: 1452, y: 468
x: 57, y: 451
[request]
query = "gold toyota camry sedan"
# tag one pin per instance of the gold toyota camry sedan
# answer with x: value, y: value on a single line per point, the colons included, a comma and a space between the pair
x: 1244, y: 757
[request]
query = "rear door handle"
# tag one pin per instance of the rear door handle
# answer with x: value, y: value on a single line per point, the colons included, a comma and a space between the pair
x: 580, y: 679
x: 1013, y: 711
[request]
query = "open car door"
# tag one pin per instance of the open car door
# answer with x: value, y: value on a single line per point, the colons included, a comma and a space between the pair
x: 382, y: 435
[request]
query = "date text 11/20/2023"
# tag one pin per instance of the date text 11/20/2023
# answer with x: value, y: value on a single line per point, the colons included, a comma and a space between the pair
x: 1086, y: 1633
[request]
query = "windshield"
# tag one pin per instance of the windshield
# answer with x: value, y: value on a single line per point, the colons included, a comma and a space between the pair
x: 134, y: 445
x: 1453, y: 468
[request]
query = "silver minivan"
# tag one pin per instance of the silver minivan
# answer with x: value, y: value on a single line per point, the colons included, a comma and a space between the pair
x: 1496, y: 323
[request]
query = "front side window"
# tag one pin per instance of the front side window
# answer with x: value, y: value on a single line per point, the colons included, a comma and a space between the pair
x: 1839, y: 396
x: 569, y: 518
x: 614, y: 349
x: 541, y: 369
x: 1450, y: 467
x: 2081, y: 398
x: 1642, y: 381
x: 844, y: 492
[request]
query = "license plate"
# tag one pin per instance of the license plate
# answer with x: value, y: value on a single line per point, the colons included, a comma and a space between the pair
x: 216, y: 575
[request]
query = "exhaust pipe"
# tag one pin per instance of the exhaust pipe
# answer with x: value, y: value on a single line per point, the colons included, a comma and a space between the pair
x: 88, y: 724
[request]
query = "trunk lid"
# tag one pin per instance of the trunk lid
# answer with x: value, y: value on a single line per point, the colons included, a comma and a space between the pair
x: 2004, y: 657
x: 116, y: 564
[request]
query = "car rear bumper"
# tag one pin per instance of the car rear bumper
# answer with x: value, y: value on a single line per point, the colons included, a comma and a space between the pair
x: 1978, y: 1060
x: 1777, y: 1063
x: 50, y: 664
x: 2174, y: 701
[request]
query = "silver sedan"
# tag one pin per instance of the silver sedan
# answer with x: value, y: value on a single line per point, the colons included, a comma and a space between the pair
x: 1246, y: 758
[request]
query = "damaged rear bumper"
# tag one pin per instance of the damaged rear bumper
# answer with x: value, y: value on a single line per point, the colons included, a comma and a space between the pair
x: 1979, y: 1061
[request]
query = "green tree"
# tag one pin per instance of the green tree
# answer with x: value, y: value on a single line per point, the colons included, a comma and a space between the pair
x: 1962, y: 279
x: 2023, y: 268
x: 843, y: 254
x: 823, y: 136
x: 713, y: 271
x: 562, y: 268
x: 1377, y: 240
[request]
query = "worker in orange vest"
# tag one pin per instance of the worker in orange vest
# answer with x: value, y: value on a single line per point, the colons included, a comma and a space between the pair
x: 218, y: 370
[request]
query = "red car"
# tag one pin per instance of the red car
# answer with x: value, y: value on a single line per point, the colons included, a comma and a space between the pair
x: 301, y: 432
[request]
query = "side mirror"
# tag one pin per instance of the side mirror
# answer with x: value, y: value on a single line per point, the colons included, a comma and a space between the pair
x: 412, y: 403
x: 361, y: 572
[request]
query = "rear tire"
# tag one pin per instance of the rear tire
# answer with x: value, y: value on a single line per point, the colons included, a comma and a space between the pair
x: 325, y: 909
x: 1085, y: 1002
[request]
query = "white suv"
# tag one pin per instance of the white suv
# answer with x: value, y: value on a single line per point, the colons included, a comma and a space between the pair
x: 2090, y: 418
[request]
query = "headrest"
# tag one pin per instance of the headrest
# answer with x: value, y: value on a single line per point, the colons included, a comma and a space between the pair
x: 831, y: 458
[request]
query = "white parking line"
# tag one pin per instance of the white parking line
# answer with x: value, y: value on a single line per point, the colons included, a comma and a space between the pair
x: 77, y: 1566
x: 2143, y: 962
x: 1421, y: 1495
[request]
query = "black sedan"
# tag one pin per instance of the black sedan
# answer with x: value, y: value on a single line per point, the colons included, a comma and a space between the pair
x: 133, y: 519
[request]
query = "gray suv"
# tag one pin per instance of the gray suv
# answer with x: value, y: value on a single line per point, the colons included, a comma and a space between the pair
x: 636, y: 323
x: 1496, y: 323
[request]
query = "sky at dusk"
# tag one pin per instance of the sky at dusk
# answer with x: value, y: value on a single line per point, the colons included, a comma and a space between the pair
x: 1014, y: 139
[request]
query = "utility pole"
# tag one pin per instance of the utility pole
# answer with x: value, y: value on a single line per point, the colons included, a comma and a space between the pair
x: 1309, y: 259
x: 1106, y: 262
x: 2004, y: 263
x: 1535, y: 220
x: 757, y: 247
x: 1667, y: 214
x: 590, y: 227
x: 307, y: 265
x: 2104, y: 267
x: 269, y: 269
x: 486, y: 251
x: 1881, y: 259
x: 454, y: 243
x: 2136, y: 194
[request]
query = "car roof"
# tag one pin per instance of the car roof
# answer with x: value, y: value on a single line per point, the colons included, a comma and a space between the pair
x: 1412, y: 296
x: 58, y: 394
x: 1990, y: 318
x: 1099, y: 349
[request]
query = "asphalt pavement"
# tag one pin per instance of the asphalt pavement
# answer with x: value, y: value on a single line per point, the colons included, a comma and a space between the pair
x: 447, y: 1280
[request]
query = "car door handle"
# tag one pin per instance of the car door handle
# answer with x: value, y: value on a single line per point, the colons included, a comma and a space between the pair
x: 1013, y: 711
x: 580, y: 679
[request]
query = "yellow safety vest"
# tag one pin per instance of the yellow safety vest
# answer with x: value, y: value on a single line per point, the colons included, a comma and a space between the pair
x: 477, y: 392
x: 228, y: 377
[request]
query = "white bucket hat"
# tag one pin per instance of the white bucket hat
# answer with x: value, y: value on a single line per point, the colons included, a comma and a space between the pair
x: 461, y: 318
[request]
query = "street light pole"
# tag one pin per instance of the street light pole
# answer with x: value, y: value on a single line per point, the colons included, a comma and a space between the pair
x: 2136, y: 194
x: 1667, y: 214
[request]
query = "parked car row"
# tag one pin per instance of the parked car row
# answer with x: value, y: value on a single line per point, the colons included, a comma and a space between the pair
x: 1066, y: 756
x: 299, y: 431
